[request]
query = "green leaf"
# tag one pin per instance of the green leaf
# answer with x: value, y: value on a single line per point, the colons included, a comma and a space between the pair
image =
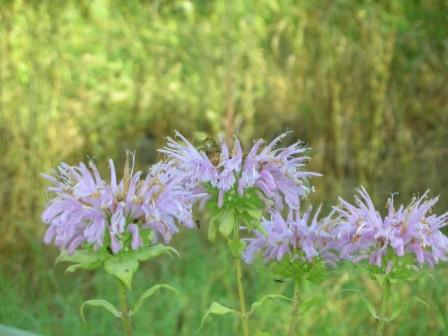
x: 370, y: 307
x: 217, y: 309
x: 399, y: 309
x: 81, y: 256
x: 99, y: 303
x: 395, y: 313
x: 73, y: 268
x: 419, y: 300
x: 252, y: 198
x: 228, y: 222
x: 122, y: 267
x: 265, y: 298
x: 237, y: 247
x: 262, y: 333
x: 309, y: 303
x: 317, y: 273
x: 150, y: 252
x: 82, y: 259
x: 400, y: 274
x: 251, y: 219
x: 213, y: 227
x: 289, y: 268
x: 10, y: 331
x: 148, y: 293
x: 255, y: 213
x: 368, y: 304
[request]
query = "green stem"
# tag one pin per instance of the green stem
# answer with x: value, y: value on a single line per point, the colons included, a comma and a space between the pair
x: 294, y: 310
x: 384, y: 304
x: 239, y: 279
x: 125, y: 311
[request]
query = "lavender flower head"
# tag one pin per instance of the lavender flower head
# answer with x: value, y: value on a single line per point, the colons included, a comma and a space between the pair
x: 276, y: 172
x: 412, y: 230
x: 87, y: 211
x: 303, y: 237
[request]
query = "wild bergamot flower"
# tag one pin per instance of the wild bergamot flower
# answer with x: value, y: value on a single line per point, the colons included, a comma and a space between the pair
x: 276, y: 172
x: 303, y: 237
x: 413, y: 230
x: 85, y: 210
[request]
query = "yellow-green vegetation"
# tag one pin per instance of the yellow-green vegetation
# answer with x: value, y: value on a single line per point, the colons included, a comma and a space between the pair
x: 363, y: 82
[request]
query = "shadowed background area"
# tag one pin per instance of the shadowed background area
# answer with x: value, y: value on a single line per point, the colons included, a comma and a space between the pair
x: 364, y: 83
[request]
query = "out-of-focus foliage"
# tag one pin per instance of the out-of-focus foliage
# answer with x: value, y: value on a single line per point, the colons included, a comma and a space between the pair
x: 363, y: 82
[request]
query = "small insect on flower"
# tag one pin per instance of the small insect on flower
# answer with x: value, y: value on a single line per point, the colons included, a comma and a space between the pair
x: 87, y: 211
x: 239, y: 185
x: 404, y: 231
x: 276, y: 172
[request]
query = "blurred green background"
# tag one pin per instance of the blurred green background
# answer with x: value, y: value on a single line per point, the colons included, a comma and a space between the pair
x: 363, y: 82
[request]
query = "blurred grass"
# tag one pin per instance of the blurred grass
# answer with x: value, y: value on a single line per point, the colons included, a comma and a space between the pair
x: 363, y: 82
x: 45, y: 300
